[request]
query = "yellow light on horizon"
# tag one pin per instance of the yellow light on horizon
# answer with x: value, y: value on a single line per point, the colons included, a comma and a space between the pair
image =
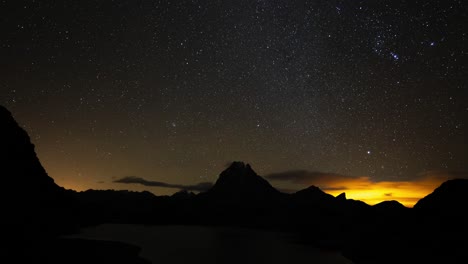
x: 407, y: 193
x: 373, y: 197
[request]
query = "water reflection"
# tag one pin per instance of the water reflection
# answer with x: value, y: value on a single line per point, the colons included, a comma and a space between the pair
x: 195, y: 244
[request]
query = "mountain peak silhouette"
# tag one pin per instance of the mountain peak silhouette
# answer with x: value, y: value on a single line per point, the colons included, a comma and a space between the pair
x: 390, y: 207
x: 313, y: 193
x: 240, y: 181
x: 240, y: 167
x: 341, y: 197
x: 392, y: 204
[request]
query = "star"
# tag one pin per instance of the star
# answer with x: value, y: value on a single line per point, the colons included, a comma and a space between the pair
x: 313, y: 86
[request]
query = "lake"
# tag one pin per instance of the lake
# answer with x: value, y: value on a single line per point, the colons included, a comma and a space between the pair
x: 197, y: 244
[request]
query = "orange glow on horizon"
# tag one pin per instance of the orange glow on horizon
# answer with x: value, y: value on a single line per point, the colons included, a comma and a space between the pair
x: 407, y: 193
x: 362, y: 188
x: 377, y: 194
x: 367, y: 189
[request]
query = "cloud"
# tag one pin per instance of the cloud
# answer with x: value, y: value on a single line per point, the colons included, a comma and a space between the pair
x: 200, y: 187
x: 324, y: 180
x: 445, y: 175
x: 408, y: 192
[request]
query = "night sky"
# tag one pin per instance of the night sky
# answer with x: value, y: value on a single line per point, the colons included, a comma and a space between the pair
x: 307, y: 92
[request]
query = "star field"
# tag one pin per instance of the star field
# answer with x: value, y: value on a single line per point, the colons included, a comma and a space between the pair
x: 173, y: 90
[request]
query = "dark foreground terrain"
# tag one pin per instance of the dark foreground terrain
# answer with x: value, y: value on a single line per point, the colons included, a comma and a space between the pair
x: 79, y: 251
x: 37, y: 212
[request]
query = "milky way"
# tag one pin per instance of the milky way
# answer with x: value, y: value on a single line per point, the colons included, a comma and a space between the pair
x: 170, y: 91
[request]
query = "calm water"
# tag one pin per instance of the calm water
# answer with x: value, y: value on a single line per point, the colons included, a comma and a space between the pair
x: 194, y: 244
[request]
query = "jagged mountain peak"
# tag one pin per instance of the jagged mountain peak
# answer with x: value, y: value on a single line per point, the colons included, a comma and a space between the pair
x: 239, y: 180
x: 341, y: 197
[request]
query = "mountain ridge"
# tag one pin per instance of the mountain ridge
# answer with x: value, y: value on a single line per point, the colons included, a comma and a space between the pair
x: 240, y: 197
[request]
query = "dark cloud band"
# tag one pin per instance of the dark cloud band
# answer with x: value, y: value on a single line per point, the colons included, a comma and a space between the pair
x: 202, y: 186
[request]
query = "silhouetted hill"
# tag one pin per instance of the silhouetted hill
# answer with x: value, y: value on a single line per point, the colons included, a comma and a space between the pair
x: 32, y: 203
x: 21, y: 169
x: 35, y: 210
x: 389, y: 206
x: 239, y: 182
x: 351, y: 206
x: 183, y: 195
x: 450, y: 197
x: 311, y: 199
x: 313, y: 194
x: 389, y: 210
x: 434, y: 231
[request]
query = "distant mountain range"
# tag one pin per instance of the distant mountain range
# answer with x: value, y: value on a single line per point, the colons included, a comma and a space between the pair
x: 34, y: 206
